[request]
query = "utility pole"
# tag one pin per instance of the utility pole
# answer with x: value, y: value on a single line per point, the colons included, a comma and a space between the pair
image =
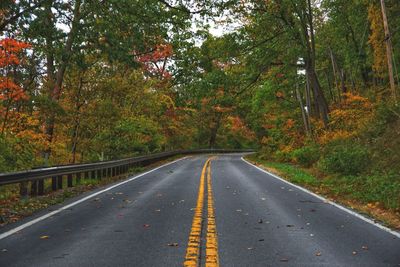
x: 389, y: 51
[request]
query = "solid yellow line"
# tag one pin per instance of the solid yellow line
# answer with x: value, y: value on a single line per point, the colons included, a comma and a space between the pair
x: 212, y: 259
x: 193, y: 249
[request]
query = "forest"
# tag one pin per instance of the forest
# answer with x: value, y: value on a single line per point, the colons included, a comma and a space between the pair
x: 307, y: 83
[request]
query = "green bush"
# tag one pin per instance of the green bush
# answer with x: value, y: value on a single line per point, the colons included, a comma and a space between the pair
x: 282, y: 156
x: 307, y: 155
x: 345, y: 157
x: 382, y: 188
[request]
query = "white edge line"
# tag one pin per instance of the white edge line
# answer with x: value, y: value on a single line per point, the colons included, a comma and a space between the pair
x: 384, y: 228
x: 41, y: 218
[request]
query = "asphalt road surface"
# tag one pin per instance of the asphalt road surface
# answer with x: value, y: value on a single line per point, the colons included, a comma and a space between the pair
x: 202, y: 210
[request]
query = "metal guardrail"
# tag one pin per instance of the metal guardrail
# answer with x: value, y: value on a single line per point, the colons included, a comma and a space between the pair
x: 97, y: 170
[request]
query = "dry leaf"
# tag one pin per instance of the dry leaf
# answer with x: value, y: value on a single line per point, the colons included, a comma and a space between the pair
x: 44, y: 237
x: 173, y: 244
x: 364, y: 247
x: 354, y: 253
x: 318, y: 254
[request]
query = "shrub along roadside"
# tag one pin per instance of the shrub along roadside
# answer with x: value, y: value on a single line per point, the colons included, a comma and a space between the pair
x: 377, y: 195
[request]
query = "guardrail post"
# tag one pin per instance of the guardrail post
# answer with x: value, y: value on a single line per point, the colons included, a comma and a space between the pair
x: 54, y: 183
x: 86, y: 175
x: 104, y: 173
x: 41, y: 187
x: 34, y: 188
x: 59, y: 182
x: 93, y: 175
x: 98, y: 174
x: 78, y: 178
x: 23, y: 189
x: 113, y: 172
x: 69, y: 180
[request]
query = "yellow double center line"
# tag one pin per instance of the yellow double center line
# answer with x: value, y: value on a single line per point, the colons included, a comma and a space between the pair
x: 194, y: 245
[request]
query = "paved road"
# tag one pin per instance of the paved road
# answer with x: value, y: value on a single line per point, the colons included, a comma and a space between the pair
x: 259, y: 221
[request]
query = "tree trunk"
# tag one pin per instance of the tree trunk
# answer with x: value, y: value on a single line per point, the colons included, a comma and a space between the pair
x: 214, y: 131
x: 303, y: 112
x: 55, y: 81
x: 389, y: 52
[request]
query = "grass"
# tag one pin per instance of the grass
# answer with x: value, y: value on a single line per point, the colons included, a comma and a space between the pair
x: 377, y: 195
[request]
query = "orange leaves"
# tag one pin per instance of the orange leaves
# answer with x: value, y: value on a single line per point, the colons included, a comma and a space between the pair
x: 290, y: 123
x: 238, y: 127
x: 155, y: 61
x: 9, y: 49
x: 10, y: 91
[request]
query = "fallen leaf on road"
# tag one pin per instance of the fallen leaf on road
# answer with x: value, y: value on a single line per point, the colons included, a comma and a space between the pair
x: 250, y: 248
x: 311, y: 234
x: 354, y: 253
x: 4, y: 250
x: 158, y: 210
x: 263, y: 198
x: 173, y: 244
x: 44, y: 237
x: 260, y: 221
x: 239, y: 210
x: 364, y: 247
x: 318, y: 254
x: 146, y: 225
x: 284, y: 260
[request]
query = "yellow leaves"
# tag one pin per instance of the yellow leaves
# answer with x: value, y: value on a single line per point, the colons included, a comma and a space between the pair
x: 346, y: 120
x: 377, y: 40
x: 329, y: 136
x: 44, y: 237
